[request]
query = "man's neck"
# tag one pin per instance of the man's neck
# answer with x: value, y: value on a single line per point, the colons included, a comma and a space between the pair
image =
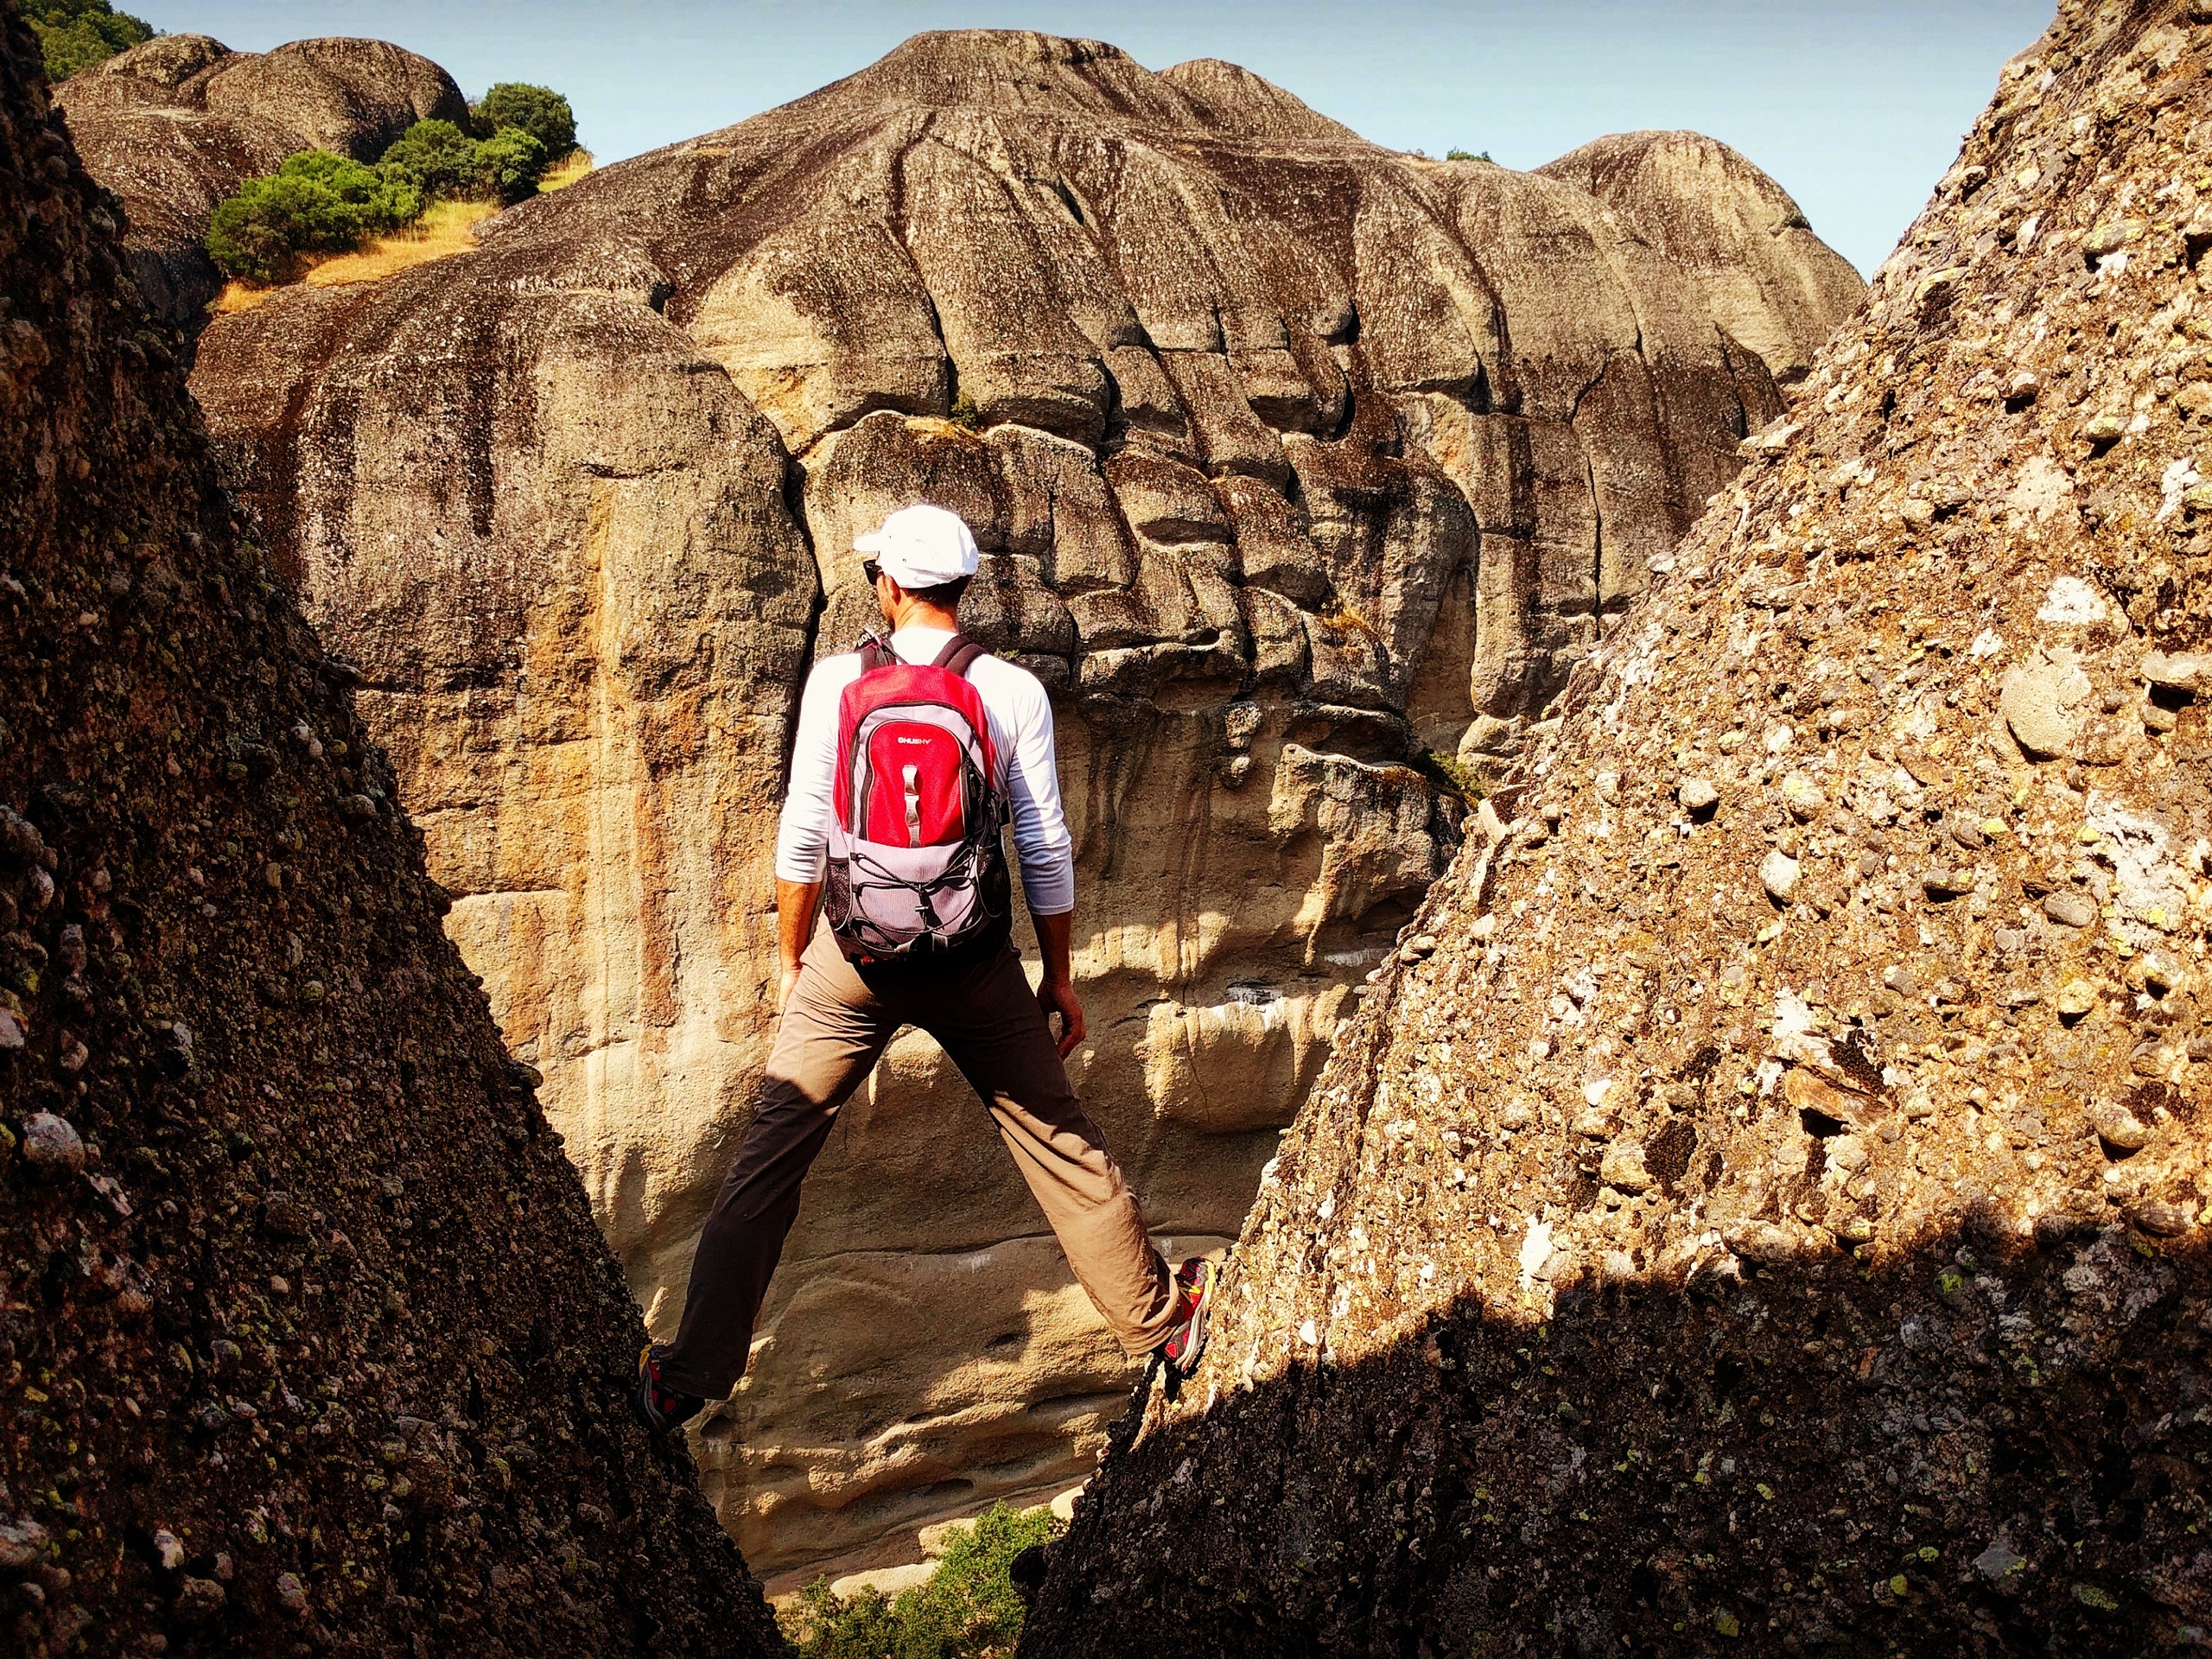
x: 913, y: 614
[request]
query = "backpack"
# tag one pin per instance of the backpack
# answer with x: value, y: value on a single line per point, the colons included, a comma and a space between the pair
x: 915, y: 867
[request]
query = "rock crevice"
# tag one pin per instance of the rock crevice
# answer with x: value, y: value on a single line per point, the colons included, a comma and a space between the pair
x: 1299, y: 466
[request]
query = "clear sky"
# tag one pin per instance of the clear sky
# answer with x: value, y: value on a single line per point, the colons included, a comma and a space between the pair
x: 1856, y: 107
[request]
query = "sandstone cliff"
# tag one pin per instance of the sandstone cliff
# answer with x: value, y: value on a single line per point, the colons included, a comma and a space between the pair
x: 307, y: 1339
x: 1294, y: 460
x: 175, y: 126
x: 1764, y: 1200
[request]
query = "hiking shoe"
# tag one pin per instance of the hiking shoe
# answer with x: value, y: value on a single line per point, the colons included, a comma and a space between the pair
x: 658, y: 1406
x: 1186, y: 1343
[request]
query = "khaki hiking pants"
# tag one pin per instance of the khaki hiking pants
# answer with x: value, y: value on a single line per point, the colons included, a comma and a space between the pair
x: 837, y: 1025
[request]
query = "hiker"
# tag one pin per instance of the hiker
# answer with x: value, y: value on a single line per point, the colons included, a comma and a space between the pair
x: 910, y: 755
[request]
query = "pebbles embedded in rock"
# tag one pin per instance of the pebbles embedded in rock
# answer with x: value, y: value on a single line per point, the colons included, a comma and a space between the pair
x: 169, y: 1550
x: 2036, y: 700
x: 1778, y: 875
x: 1697, y: 795
x: 51, y: 1144
x: 198, y: 1599
x: 2179, y: 670
x: 2070, y: 909
x: 2076, y: 997
x: 1623, y: 1167
x: 23, y: 1545
x: 2119, y: 1127
x: 284, y: 1215
x: 1947, y: 884
x: 1804, y: 797
x: 2158, y: 1217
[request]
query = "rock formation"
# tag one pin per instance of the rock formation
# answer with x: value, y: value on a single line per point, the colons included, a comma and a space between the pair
x: 1765, y: 1198
x: 1294, y: 461
x: 175, y: 126
x: 307, y: 1339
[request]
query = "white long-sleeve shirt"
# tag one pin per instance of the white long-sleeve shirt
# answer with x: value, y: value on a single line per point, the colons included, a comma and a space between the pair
x: 1021, y: 716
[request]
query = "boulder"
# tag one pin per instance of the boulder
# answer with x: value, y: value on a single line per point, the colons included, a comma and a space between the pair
x: 311, y: 1342
x: 1299, y: 466
x: 176, y: 125
x: 1902, y: 1343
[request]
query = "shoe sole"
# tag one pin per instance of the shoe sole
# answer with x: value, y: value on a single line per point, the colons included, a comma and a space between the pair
x: 641, y: 1405
x: 1197, y: 1325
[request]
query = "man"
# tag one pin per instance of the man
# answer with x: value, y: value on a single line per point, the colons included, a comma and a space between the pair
x: 839, y: 1012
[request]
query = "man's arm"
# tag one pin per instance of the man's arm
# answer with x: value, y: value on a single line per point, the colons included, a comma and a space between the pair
x: 1055, y: 935
x: 796, y: 903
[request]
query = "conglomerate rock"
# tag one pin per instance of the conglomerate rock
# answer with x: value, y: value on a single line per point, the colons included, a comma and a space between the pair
x: 176, y: 125
x: 1762, y: 1207
x: 308, y: 1342
x: 1294, y: 460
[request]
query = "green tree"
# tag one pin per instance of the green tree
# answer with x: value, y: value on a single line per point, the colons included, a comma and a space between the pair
x: 441, y: 161
x: 508, y: 163
x: 75, y: 35
x: 435, y: 157
x: 1465, y: 155
x: 538, y: 111
x: 970, y: 1609
x: 316, y: 203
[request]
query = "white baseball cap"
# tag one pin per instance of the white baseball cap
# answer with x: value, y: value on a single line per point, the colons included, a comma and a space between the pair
x: 921, y: 546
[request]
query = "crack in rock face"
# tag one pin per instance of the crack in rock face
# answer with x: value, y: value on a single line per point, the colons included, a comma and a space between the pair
x: 1906, y: 1346
x: 308, y: 1342
x: 1305, y: 474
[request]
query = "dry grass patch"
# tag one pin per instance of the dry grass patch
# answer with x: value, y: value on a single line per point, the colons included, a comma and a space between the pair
x: 448, y: 228
x: 565, y: 172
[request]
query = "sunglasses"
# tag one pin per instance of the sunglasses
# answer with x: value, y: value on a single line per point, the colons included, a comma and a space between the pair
x: 872, y: 570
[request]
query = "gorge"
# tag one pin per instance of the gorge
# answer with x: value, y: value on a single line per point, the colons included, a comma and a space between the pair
x: 1306, y: 472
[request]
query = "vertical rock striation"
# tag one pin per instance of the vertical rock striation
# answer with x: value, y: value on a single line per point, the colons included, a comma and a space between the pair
x: 307, y: 1339
x: 1299, y: 466
x: 1765, y: 1202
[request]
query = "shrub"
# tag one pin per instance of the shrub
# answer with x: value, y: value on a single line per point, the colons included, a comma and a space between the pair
x: 508, y: 163
x: 970, y: 1609
x: 538, y: 111
x: 439, y: 160
x: 74, y: 34
x: 316, y: 203
x: 435, y: 157
x: 1466, y: 156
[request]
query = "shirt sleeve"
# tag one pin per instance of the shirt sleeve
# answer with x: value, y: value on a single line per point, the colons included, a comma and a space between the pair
x: 1041, y: 828
x: 802, y: 832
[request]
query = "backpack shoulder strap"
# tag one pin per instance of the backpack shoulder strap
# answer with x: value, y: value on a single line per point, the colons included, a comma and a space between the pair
x: 959, y: 654
x: 874, y: 654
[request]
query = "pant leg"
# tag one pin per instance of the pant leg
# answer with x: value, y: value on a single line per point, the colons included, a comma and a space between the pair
x: 987, y: 1020
x: 830, y: 1038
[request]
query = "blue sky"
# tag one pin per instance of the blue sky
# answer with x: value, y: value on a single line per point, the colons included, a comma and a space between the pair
x: 1856, y: 108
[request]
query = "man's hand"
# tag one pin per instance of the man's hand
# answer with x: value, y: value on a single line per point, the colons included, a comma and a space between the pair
x: 796, y: 903
x: 1057, y: 996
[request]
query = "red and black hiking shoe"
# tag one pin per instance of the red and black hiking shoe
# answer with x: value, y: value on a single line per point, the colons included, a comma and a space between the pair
x: 1186, y: 1343
x: 659, y: 1408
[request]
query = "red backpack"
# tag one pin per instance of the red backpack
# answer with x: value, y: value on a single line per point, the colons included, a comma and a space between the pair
x: 916, y: 867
